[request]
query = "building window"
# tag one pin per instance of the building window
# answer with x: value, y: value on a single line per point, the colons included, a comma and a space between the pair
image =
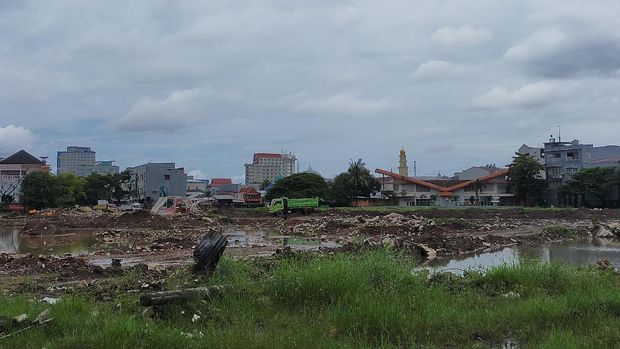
x: 167, y: 177
x: 572, y: 155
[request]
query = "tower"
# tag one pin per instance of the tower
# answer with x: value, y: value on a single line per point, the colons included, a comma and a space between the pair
x: 403, y: 170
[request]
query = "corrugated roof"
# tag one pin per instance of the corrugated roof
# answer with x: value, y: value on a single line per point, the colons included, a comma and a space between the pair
x: 22, y: 157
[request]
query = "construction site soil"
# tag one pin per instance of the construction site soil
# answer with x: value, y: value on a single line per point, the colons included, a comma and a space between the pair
x: 151, y: 244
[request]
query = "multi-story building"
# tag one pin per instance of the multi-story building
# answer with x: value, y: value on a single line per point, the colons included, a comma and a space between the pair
x: 12, y: 171
x: 81, y: 161
x: 105, y: 168
x: 562, y: 160
x: 153, y: 180
x: 77, y: 160
x: 269, y: 166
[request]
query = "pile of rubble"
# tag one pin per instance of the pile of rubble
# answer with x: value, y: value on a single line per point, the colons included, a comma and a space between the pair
x: 608, y: 230
x: 11, y: 264
x: 361, y: 223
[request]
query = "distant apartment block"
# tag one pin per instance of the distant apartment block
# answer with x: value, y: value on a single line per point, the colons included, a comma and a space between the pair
x: 269, y: 166
x: 153, y: 180
x: 81, y: 161
x: 563, y: 159
x: 105, y: 168
x: 12, y: 171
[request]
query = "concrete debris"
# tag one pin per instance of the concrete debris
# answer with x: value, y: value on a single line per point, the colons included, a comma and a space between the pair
x: 601, y: 231
x: 42, y: 317
x: 21, y: 318
x: 50, y: 300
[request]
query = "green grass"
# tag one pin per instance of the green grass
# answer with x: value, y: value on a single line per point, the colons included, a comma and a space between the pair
x: 370, y: 300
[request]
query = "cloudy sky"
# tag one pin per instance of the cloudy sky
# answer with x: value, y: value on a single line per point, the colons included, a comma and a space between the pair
x: 207, y: 83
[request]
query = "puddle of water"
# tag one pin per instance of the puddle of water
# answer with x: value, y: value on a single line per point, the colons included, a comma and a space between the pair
x: 74, y: 242
x: 572, y: 252
x: 133, y: 261
x: 263, y: 238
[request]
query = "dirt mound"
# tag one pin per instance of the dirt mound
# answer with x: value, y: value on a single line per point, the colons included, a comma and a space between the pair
x: 11, y: 265
x: 62, y: 220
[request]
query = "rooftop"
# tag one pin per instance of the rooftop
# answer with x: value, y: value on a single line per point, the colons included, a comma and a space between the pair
x: 22, y: 157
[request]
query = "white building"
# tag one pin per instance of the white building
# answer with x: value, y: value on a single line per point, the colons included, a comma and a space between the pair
x: 81, y: 162
x: 269, y: 166
x: 12, y: 171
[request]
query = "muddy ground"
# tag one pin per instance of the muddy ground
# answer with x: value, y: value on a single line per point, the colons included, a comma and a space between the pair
x: 60, y: 249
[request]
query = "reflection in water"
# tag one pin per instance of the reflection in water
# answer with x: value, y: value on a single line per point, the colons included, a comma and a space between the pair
x: 9, y: 240
x: 573, y: 252
x: 75, y: 243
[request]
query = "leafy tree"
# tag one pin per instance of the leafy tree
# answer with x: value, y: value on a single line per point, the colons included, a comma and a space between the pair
x: 70, y: 190
x: 265, y: 184
x: 39, y: 190
x: 356, y: 182
x: 456, y: 199
x: 299, y: 185
x: 525, y: 179
x: 98, y: 187
x: 403, y: 192
x: 120, y: 185
x: 434, y: 198
x: 599, y: 182
x: 106, y: 187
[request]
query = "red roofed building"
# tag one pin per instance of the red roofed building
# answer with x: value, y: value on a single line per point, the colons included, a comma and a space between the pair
x: 248, y: 196
x: 269, y: 166
x: 215, y: 182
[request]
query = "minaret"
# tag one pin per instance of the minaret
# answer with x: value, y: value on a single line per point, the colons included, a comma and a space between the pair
x: 403, y: 170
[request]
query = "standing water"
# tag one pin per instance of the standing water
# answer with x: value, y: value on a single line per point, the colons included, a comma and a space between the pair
x: 74, y: 242
x: 572, y: 252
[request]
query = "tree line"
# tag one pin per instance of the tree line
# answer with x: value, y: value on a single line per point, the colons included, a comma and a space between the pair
x: 42, y: 189
x: 346, y: 188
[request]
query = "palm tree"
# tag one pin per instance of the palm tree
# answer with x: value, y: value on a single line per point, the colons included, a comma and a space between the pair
x: 456, y: 198
x: 360, y: 180
x: 478, y: 186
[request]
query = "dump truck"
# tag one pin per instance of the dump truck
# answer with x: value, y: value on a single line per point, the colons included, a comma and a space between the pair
x: 305, y: 205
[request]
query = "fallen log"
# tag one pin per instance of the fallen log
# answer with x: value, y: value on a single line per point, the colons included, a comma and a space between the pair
x: 179, y: 296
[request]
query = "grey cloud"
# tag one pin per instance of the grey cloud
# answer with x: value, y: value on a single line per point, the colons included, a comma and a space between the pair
x: 178, y: 110
x: 530, y: 95
x: 324, y: 75
x: 557, y: 53
x: 465, y: 35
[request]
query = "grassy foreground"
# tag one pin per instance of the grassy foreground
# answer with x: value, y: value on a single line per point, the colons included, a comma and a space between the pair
x: 347, y: 301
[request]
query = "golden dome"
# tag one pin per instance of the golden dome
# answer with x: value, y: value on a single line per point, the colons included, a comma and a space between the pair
x: 402, y: 151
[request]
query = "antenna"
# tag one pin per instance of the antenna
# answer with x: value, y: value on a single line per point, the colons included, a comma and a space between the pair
x: 415, y: 172
x: 559, y: 134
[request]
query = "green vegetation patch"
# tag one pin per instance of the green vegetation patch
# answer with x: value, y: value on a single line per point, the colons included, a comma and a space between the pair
x: 558, y: 230
x: 369, y: 300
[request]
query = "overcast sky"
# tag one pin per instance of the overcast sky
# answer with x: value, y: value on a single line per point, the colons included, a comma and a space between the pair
x: 206, y: 84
